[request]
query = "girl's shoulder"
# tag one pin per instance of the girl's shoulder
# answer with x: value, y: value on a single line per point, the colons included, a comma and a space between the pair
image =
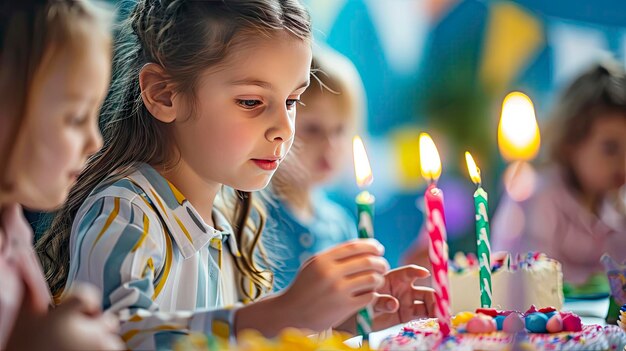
x: 120, y: 195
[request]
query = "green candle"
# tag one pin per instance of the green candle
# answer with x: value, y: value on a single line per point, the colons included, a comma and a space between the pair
x: 482, y: 234
x: 483, y: 248
x: 365, y: 211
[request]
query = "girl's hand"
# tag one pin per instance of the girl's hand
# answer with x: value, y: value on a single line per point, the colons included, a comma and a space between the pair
x: 330, y: 287
x: 76, y: 324
x: 400, y: 301
x: 336, y: 283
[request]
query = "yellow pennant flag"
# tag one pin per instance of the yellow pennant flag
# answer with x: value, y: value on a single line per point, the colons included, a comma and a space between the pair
x: 514, y: 36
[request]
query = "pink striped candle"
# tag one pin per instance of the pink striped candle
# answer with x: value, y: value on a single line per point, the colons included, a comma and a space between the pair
x: 436, y: 228
x: 438, y: 254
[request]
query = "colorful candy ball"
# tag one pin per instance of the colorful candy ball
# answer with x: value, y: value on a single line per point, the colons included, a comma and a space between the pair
x: 481, y: 324
x: 462, y: 318
x: 499, y: 321
x: 555, y: 324
x: 536, y: 322
x: 513, y: 323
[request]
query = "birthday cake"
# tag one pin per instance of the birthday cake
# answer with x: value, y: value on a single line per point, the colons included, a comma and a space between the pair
x: 489, y: 329
x: 517, y: 282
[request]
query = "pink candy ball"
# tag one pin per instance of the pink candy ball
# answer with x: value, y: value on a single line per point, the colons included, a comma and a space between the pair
x: 481, y: 324
x: 513, y: 323
x: 555, y: 324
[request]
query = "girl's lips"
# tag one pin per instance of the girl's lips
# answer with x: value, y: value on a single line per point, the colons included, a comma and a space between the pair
x: 324, y: 165
x: 266, y: 165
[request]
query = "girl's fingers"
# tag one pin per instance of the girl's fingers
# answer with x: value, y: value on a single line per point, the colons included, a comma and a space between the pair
x: 362, y: 300
x: 355, y: 247
x: 409, y: 273
x: 361, y: 264
x: 363, y: 283
x: 419, y: 310
x: 427, y: 298
x: 111, y: 322
x: 85, y: 298
x: 386, y: 304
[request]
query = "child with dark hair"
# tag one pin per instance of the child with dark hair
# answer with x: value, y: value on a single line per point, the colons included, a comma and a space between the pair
x: 575, y: 213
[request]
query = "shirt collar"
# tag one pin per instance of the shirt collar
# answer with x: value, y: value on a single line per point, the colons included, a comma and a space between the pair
x: 184, y: 223
x: 222, y: 225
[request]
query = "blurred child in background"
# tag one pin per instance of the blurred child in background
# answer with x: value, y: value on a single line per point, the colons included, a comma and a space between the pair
x: 575, y: 213
x: 55, y: 58
x: 302, y: 220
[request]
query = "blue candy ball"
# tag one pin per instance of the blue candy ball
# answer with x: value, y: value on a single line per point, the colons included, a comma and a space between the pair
x: 550, y: 314
x: 536, y: 322
x: 499, y: 321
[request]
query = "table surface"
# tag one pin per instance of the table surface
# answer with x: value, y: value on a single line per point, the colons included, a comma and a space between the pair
x: 590, y: 311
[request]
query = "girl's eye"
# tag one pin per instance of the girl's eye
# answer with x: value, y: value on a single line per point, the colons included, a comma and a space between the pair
x: 292, y: 102
x: 312, y: 130
x: 249, y: 104
x: 77, y: 121
x: 610, y: 148
x: 340, y: 130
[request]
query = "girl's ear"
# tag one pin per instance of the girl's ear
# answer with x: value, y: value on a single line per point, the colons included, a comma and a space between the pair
x: 157, y: 93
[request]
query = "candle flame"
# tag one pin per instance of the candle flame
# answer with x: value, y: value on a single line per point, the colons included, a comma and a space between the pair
x: 362, y: 168
x: 474, y: 171
x: 429, y: 158
x: 518, y: 132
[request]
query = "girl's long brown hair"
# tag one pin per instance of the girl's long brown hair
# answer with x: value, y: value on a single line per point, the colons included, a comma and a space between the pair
x: 184, y: 37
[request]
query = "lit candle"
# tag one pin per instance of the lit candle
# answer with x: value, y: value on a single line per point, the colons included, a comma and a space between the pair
x: 519, y: 141
x: 436, y: 227
x: 482, y: 233
x: 518, y: 132
x: 365, y: 212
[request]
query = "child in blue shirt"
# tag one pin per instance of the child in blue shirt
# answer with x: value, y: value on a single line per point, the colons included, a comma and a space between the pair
x: 302, y: 219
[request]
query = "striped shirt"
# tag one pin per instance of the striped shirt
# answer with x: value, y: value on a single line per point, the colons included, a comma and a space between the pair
x: 159, y: 265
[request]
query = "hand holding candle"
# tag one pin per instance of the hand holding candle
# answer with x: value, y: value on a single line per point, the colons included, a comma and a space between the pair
x: 365, y: 211
x: 436, y: 227
x: 482, y: 233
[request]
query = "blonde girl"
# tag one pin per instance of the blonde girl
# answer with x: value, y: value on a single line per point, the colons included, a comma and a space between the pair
x: 55, y: 63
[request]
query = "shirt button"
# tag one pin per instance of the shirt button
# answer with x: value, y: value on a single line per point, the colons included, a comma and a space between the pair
x: 306, y: 240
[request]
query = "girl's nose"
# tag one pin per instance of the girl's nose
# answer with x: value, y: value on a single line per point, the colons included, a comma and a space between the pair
x: 94, y: 140
x: 283, y: 128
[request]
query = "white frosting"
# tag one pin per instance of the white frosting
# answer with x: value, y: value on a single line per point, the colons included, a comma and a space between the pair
x: 541, y: 285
